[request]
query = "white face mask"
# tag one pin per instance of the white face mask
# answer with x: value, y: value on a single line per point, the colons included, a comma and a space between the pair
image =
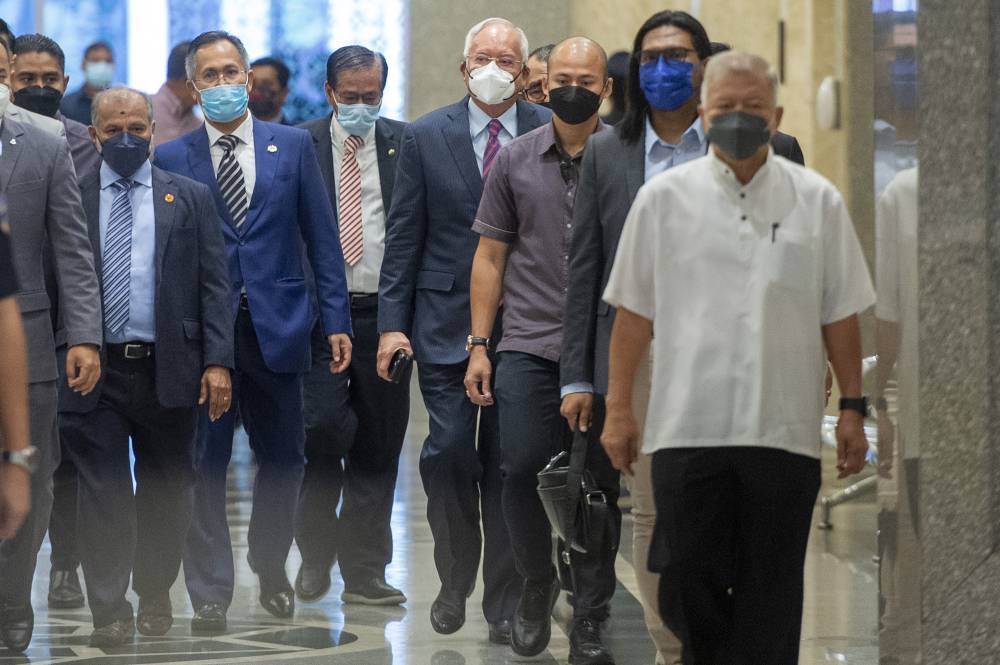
x: 4, y: 98
x: 491, y: 85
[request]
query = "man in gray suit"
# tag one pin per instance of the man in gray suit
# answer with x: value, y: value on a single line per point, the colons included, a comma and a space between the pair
x: 355, y: 422
x: 157, y: 242
x: 43, y: 202
x: 14, y: 112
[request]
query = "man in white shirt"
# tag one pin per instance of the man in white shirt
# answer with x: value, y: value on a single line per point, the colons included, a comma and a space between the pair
x: 749, y: 267
x: 355, y: 422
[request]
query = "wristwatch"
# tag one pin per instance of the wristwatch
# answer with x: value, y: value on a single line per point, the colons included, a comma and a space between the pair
x: 859, y: 404
x: 26, y: 458
x: 472, y: 341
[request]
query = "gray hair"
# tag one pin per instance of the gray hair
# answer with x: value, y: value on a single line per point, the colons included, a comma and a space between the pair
x: 736, y: 62
x: 120, y: 91
x: 210, y: 37
x: 479, y: 27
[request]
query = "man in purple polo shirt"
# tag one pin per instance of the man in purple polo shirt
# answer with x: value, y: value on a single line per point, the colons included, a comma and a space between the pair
x: 525, y: 227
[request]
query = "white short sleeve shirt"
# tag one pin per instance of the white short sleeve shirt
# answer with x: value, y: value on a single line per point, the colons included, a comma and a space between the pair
x: 739, y: 281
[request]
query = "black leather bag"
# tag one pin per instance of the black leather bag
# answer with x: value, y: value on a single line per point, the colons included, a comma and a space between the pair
x: 576, y: 508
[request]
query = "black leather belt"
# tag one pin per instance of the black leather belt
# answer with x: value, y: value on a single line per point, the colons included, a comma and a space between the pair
x: 130, y: 350
x: 365, y: 300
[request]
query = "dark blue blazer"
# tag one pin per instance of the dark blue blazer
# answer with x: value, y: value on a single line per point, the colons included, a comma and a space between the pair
x: 193, y: 322
x: 429, y: 242
x: 289, y: 205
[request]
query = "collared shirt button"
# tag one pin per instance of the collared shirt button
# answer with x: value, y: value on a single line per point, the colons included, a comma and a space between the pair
x: 743, y: 218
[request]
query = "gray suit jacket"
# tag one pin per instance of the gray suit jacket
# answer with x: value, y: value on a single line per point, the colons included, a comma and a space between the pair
x: 41, y: 197
x: 193, y: 319
x: 611, y: 174
x: 387, y: 135
x: 36, y: 120
x: 86, y: 159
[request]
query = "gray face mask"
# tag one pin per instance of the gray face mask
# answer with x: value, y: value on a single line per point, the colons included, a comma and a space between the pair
x: 739, y: 134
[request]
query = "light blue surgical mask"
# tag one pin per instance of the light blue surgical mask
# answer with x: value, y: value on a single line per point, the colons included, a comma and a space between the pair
x: 357, y: 119
x: 99, y: 74
x: 224, y: 102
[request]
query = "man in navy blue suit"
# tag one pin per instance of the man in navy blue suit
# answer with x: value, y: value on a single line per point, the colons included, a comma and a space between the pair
x: 270, y: 194
x: 424, y: 297
x: 168, y: 346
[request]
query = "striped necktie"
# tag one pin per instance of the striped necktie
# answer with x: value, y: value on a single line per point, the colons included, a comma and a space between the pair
x: 231, y: 183
x: 349, y: 202
x: 492, y: 145
x: 116, y: 262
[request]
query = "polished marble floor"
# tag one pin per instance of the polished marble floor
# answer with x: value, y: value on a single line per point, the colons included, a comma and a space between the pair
x: 839, y: 622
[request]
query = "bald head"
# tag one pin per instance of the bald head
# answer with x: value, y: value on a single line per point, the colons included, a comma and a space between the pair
x: 118, y: 110
x: 116, y: 99
x: 579, y: 51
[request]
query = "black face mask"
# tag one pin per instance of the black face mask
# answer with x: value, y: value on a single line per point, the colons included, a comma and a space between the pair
x: 125, y: 153
x: 263, y: 102
x: 35, y: 98
x: 739, y: 134
x: 574, y: 104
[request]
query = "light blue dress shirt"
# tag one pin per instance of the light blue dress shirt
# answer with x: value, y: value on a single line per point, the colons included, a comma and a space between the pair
x: 141, y: 325
x: 660, y: 156
x: 478, y: 119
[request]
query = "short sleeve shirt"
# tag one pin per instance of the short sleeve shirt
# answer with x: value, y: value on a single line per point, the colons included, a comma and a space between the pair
x: 739, y: 281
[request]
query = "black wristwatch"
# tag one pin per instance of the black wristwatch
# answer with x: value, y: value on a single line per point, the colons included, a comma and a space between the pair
x: 859, y: 404
x: 472, y: 341
x: 881, y: 404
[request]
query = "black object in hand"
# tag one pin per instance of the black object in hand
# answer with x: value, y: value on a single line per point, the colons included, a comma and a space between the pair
x: 400, y: 362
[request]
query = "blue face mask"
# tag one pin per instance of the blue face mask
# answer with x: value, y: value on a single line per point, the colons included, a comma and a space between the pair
x: 667, y: 84
x: 99, y: 74
x: 357, y: 119
x: 125, y: 153
x: 224, y: 102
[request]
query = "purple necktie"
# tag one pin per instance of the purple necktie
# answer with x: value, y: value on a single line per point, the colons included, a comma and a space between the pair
x: 492, y: 145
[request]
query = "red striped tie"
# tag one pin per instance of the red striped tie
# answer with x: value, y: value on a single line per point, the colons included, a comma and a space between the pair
x: 349, y: 202
x: 492, y: 145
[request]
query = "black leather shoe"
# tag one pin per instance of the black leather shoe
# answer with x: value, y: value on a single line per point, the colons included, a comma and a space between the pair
x: 64, y: 590
x: 447, y: 613
x: 16, y: 626
x: 209, y: 619
x: 531, y: 627
x: 276, y: 596
x: 375, y: 591
x: 155, y: 616
x: 500, y: 632
x: 585, y: 645
x: 115, y: 634
x: 312, y: 582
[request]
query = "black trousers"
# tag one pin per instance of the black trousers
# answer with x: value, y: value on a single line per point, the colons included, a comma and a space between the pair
x: 732, y: 525
x: 355, y: 424
x: 531, y: 432
x: 62, y: 523
x: 122, y: 534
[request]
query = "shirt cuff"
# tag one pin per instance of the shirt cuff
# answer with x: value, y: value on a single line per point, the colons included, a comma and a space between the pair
x: 578, y: 387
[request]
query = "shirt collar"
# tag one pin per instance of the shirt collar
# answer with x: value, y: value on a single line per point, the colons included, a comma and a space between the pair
x: 143, y: 176
x: 546, y: 139
x: 693, y: 133
x: 244, y: 132
x: 726, y: 176
x: 478, y: 119
x: 339, y: 134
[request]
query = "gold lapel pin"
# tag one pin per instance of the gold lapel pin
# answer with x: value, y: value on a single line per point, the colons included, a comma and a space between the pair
x: 169, y: 198
x: 392, y: 151
x: 272, y: 148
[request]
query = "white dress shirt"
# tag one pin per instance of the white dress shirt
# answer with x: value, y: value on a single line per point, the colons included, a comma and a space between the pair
x: 739, y: 281
x: 479, y: 119
x: 363, y: 276
x: 244, y: 152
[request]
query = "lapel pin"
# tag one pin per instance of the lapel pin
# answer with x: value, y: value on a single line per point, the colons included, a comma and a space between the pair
x: 13, y: 141
x: 272, y: 148
x: 169, y: 198
x: 392, y: 151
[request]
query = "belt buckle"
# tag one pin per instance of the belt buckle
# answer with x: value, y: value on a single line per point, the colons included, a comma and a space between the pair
x: 136, y: 351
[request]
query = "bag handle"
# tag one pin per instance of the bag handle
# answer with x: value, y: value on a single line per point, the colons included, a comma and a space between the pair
x: 574, y: 476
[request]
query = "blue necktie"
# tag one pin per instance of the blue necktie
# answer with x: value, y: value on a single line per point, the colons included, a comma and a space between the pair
x: 117, y: 258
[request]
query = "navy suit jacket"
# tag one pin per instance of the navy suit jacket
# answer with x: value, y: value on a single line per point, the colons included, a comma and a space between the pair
x: 611, y: 173
x: 289, y: 205
x: 193, y: 324
x: 429, y: 242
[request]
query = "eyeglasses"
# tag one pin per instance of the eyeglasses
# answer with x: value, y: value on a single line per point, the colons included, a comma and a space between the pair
x: 506, y: 62
x: 371, y: 98
x: 672, y: 53
x: 535, y: 92
x: 228, y: 75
